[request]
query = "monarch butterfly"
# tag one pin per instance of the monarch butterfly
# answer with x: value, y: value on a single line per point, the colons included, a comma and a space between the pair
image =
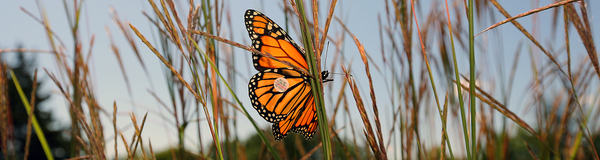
x: 280, y: 94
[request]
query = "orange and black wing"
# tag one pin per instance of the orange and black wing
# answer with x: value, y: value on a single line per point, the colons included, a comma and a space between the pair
x: 268, y: 37
x: 284, y: 97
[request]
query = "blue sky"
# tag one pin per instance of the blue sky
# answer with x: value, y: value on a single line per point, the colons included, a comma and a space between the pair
x: 360, y: 16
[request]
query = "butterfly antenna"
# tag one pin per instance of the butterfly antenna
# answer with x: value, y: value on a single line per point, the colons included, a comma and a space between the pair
x: 326, y: 73
x: 326, y: 53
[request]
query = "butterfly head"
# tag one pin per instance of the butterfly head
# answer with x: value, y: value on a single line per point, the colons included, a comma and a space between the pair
x: 324, y: 76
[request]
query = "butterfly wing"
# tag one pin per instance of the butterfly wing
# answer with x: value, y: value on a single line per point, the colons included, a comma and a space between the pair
x: 281, y: 95
x: 268, y: 37
x: 284, y: 97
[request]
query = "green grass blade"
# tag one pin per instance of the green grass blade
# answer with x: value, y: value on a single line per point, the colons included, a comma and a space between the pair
x: 472, y: 81
x: 34, y: 122
x: 315, y: 83
x: 431, y: 78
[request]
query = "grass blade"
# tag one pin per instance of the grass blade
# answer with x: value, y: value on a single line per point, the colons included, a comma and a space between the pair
x: 34, y: 122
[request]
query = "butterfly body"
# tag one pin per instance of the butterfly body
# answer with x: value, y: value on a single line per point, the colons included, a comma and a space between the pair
x: 279, y: 93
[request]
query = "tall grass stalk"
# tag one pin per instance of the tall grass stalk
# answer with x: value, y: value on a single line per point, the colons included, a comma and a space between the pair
x: 584, y: 32
x: 374, y: 137
x: 472, y: 79
x: 458, y: 88
x: 315, y: 83
x: 431, y: 80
